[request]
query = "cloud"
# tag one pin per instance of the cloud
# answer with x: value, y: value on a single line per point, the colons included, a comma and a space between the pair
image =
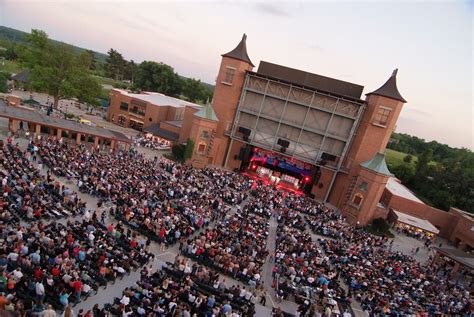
x: 316, y: 48
x: 271, y: 9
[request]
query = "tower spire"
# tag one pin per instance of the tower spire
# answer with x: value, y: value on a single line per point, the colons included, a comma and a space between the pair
x: 389, y: 89
x: 240, y: 51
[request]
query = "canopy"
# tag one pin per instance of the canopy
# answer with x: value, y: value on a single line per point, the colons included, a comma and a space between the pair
x: 416, y: 222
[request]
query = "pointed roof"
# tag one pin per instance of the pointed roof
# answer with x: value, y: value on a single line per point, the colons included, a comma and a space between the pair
x: 240, y: 52
x: 389, y: 89
x: 207, y: 112
x: 22, y: 76
x: 377, y: 164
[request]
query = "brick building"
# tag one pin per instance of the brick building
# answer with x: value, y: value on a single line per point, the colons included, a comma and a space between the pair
x: 304, y: 131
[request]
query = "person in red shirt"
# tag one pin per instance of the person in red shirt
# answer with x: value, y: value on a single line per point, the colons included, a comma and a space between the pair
x: 77, y: 289
x: 38, y: 274
x: 55, y: 271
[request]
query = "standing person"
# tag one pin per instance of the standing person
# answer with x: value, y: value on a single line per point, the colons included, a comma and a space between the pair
x: 263, y: 298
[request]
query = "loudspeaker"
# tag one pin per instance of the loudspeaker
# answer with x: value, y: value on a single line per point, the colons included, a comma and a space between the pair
x: 283, y: 143
x: 328, y: 157
x: 313, y: 179
x: 246, y: 155
x: 244, y: 131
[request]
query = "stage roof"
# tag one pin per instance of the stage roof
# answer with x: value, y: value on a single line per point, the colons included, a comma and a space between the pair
x: 158, y: 99
x: 416, y: 222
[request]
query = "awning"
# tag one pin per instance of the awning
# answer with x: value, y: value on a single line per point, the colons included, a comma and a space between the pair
x: 162, y: 133
x: 460, y: 256
x: 416, y: 222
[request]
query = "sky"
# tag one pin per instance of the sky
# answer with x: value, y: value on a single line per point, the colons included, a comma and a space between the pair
x: 430, y: 42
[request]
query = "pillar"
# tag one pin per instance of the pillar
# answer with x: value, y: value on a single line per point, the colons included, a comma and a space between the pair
x: 96, y: 142
x: 13, y: 125
x: 127, y: 146
x: 37, y: 130
x: 59, y: 134
x: 78, y: 138
x: 112, y: 145
x: 456, y: 268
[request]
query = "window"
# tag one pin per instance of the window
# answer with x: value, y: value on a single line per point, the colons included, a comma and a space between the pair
x: 122, y: 120
x: 357, y: 200
x: 381, y: 117
x: 229, y: 75
x: 363, y: 187
x: 205, y: 134
x: 201, y: 148
x: 124, y: 106
x: 179, y: 114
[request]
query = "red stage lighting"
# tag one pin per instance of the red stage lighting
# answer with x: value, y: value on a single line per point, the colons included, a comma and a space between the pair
x: 254, y: 166
x: 306, y: 179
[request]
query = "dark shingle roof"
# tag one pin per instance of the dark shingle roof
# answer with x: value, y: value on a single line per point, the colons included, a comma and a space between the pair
x: 240, y: 52
x: 42, y: 119
x: 159, y: 132
x: 389, y: 89
x: 21, y: 76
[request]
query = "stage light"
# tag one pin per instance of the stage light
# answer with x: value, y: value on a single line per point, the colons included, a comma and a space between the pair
x: 254, y: 166
x: 306, y: 179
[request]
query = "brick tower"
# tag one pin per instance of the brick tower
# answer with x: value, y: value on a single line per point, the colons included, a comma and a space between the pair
x: 229, y: 83
x: 358, y: 192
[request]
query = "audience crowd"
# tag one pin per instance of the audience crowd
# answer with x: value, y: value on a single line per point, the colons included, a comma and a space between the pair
x: 61, y: 264
x: 235, y: 246
x: 181, y: 289
x: 163, y: 200
x: 28, y: 195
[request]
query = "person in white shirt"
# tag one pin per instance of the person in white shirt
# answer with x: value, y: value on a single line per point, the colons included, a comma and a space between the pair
x: 125, y: 300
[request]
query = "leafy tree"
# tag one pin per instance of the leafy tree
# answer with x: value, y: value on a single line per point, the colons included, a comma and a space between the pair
x: 57, y: 71
x: 178, y: 151
x: 115, y: 65
x: 188, y: 151
x: 93, y: 60
x: 195, y: 91
x: 408, y: 158
x: 159, y: 77
x: 422, y: 164
x: 130, y: 71
x: 4, y: 82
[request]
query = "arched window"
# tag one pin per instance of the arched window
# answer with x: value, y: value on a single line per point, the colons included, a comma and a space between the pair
x: 357, y: 200
x: 201, y: 148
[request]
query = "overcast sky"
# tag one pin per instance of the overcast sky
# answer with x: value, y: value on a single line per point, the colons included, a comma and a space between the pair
x: 360, y: 42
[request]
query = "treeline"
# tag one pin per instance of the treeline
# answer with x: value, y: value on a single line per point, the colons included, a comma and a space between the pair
x: 443, y: 176
x: 153, y: 76
x: 148, y: 75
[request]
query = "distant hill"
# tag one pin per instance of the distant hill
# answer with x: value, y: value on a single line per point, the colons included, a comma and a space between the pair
x: 12, y: 35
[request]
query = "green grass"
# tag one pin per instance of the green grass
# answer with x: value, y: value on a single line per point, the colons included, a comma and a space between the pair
x: 107, y: 81
x: 395, y: 158
x: 10, y: 67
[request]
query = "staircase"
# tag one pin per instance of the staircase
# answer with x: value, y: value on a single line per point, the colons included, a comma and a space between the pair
x: 211, y: 141
x: 350, y: 190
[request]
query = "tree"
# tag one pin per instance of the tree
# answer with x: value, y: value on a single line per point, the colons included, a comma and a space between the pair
x: 408, y: 159
x: 188, y: 151
x: 194, y: 90
x: 422, y: 164
x: 93, y: 59
x: 114, y: 65
x: 152, y: 76
x: 57, y: 71
x: 4, y: 82
x: 130, y: 71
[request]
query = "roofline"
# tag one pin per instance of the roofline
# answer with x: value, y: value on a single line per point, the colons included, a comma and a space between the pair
x: 349, y: 98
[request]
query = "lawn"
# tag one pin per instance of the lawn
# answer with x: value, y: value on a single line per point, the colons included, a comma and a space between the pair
x: 395, y: 158
x: 108, y: 81
x: 10, y: 67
